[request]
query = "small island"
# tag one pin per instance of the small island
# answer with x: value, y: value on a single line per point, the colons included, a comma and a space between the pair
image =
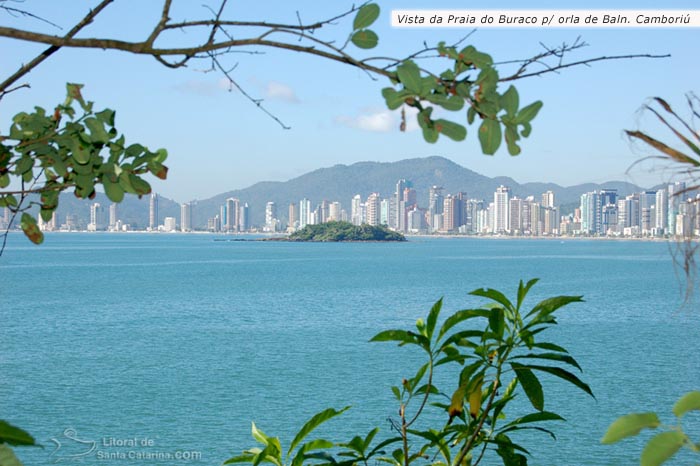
x: 345, y: 231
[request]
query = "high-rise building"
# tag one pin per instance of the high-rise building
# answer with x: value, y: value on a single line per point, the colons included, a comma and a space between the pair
x: 186, y: 217
x: 661, y: 218
x: 112, y: 216
x: 647, y: 200
x: 410, y: 197
x: 96, y: 217
x: 675, y: 192
x: 385, y: 212
x: 609, y: 219
x: 222, y: 217
x: 304, y: 212
x: 548, y: 199
x: 153, y: 212
x: 293, y: 216
x: 400, y: 214
x: 233, y: 208
x: 591, y: 213
x: 356, y: 210
x: 436, y: 205
x: 515, y: 221
x: 169, y: 224
x: 244, y: 218
x: 501, y: 217
x: 373, y: 209
x: 449, y: 214
x: 335, y: 212
x: 271, y: 216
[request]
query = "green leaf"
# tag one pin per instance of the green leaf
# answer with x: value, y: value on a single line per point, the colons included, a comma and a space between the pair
x: 244, y: 458
x: 550, y: 347
x: 24, y: 164
x: 531, y: 385
x: 397, y: 392
x: 551, y: 357
x: 141, y: 187
x: 31, y: 230
x: 114, y: 191
x: 511, y: 139
x: 630, y: 425
x: 430, y: 134
x: 510, y: 101
x: 549, y: 305
x: 452, y: 103
x: 688, y: 402
x: 7, y: 456
x: 97, y: 130
x: 471, y: 114
x: 452, y: 130
x: 367, y: 15
x: 314, y: 422
x: 409, y: 75
x: 460, y: 316
x: 106, y: 116
x: 490, y: 136
x: 402, y: 336
x: 394, y: 99
x: 494, y: 295
x: 14, y: 435
x: 433, y: 316
x: 259, y: 435
x: 318, y: 444
x: 527, y: 114
x: 661, y: 447
x: 536, y: 417
x: 8, y: 200
x: 565, y: 375
x: 365, y: 39
x: 497, y: 322
x: 524, y: 289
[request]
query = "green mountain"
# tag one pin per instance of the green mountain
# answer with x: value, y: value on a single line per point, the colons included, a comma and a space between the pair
x: 342, y: 182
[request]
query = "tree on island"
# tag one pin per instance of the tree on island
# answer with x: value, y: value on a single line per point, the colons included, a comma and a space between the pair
x: 345, y: 231
x: 66, y: 149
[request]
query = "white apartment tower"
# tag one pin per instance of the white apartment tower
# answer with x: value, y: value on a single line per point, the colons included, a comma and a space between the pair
x: 501, y: 217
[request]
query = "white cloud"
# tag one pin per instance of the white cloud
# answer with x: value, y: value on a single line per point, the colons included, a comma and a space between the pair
x: 379, y: 120
x: 279, y: 91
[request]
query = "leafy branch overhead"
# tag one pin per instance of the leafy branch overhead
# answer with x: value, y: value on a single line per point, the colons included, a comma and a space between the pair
x: 44, y: 154
x: 471, y: 80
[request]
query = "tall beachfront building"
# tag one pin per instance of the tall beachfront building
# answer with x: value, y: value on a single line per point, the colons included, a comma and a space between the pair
x: 373, y: 209
x: 501, y: 213
x: 232, y: 221
x: 153, y: 212
x: 186, y: 217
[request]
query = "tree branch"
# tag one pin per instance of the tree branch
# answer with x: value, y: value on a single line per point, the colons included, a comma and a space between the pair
x: 24, y: 69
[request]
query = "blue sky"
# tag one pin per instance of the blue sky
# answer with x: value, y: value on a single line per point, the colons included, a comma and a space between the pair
x: 218, y: 141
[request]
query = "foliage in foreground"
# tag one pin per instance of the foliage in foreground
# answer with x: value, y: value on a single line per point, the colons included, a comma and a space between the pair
x: 664, y: 445
x: 345, y: 231
x: 495, y: 354
x: 44, y: 154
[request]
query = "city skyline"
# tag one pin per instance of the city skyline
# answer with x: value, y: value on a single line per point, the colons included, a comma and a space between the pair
x: 671, y: 211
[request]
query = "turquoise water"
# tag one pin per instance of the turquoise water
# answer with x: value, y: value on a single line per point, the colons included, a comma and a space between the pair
x: 179, y: 341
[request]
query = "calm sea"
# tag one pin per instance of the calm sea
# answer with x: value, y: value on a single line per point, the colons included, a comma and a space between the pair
x: 127, y: 348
